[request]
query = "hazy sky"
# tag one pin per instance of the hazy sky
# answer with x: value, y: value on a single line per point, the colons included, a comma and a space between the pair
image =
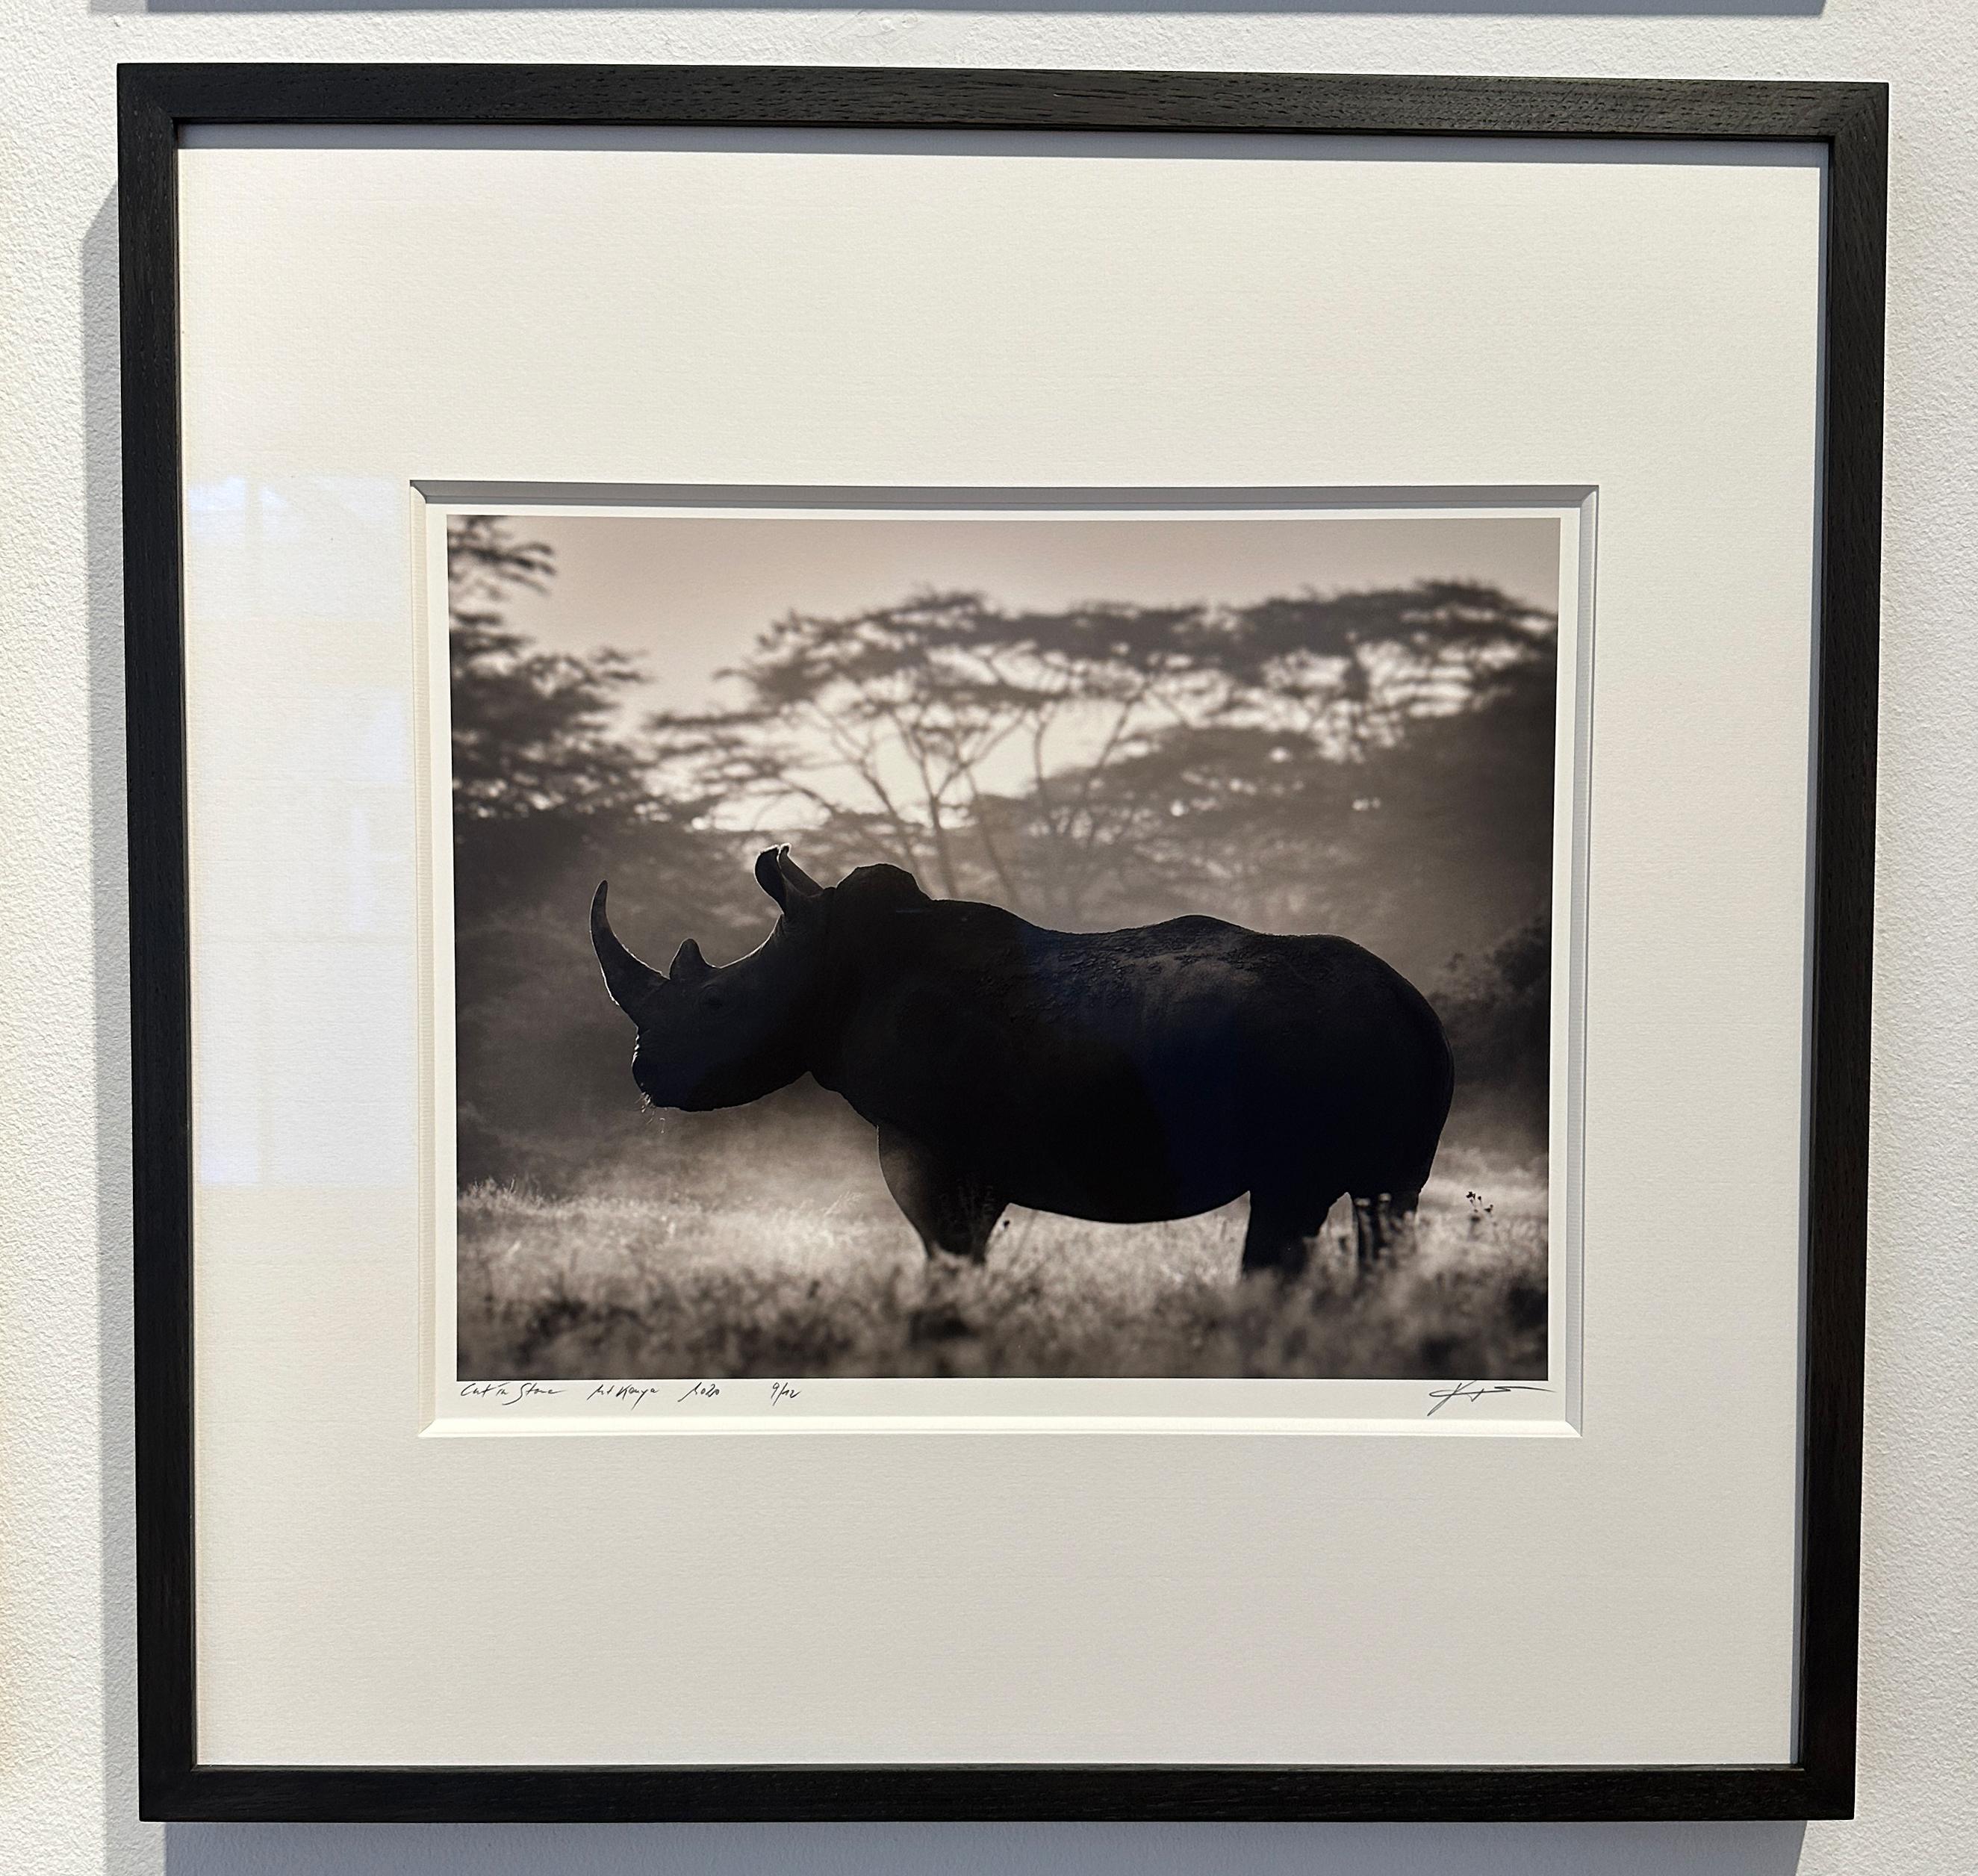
x: 688, y: 594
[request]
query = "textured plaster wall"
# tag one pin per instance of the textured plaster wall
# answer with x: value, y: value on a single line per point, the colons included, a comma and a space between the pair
x: 67, y: 1791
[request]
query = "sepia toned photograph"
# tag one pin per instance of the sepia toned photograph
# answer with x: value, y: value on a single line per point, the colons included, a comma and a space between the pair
x: 895, y: 944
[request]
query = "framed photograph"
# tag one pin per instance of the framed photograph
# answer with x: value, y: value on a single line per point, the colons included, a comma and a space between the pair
x: 997, y: 1123
x: 1001, y: 941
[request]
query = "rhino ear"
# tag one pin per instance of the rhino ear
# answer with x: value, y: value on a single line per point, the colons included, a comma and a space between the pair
x: 689, y: 965
x: 786, y: 882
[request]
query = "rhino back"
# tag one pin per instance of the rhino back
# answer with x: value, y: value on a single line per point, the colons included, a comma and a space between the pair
x: 1125, y: 1074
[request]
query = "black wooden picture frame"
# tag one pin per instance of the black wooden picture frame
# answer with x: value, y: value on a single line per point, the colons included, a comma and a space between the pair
x: 1850, y: 120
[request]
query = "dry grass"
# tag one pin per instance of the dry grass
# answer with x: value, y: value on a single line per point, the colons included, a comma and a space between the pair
x: 726, y: 1286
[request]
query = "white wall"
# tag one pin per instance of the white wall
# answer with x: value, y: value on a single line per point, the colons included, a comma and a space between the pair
x: 67, y: 1731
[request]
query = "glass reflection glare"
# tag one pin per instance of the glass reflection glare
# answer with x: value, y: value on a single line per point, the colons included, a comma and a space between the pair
x: 299, y: 671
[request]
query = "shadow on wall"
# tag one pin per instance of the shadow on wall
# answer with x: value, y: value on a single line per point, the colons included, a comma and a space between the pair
x: 127, y: 1843
x: 1641, y: 9
x: 988, y: 1849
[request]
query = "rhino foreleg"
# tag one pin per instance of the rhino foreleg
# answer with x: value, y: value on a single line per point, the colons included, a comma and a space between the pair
x: 1281, y: 1231
x: 952, y: 1210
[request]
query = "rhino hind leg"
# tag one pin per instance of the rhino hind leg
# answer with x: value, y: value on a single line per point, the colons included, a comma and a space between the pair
x: 951, y: 1210
x: 1282, y: 1229
x: 1380, y: 1221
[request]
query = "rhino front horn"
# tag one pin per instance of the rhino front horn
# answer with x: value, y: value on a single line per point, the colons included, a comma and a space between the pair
x: 635, y: 987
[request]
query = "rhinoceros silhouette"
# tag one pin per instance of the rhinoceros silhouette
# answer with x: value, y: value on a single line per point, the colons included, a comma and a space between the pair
x: 1124, y: 1077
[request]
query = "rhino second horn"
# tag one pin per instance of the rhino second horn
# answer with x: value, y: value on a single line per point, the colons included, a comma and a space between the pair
x: 688, y: 964
x: 801, y: 885
x: 780, y: 876
x: 634, y: 986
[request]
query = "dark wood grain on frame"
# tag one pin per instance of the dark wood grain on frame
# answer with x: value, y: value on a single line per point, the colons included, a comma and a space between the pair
x: 161, y: 940
x: 877, y: 98
x: 1850, y: 120
x: 1842, y: 943
x: 941, y: 1794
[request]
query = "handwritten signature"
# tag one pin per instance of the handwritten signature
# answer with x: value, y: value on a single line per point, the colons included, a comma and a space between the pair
x: 1475, y: 1390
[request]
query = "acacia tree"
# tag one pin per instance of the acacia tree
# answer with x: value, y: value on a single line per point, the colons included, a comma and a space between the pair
x: 547, y: 784
x: 1044, y: 758
x: 533, y: 730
